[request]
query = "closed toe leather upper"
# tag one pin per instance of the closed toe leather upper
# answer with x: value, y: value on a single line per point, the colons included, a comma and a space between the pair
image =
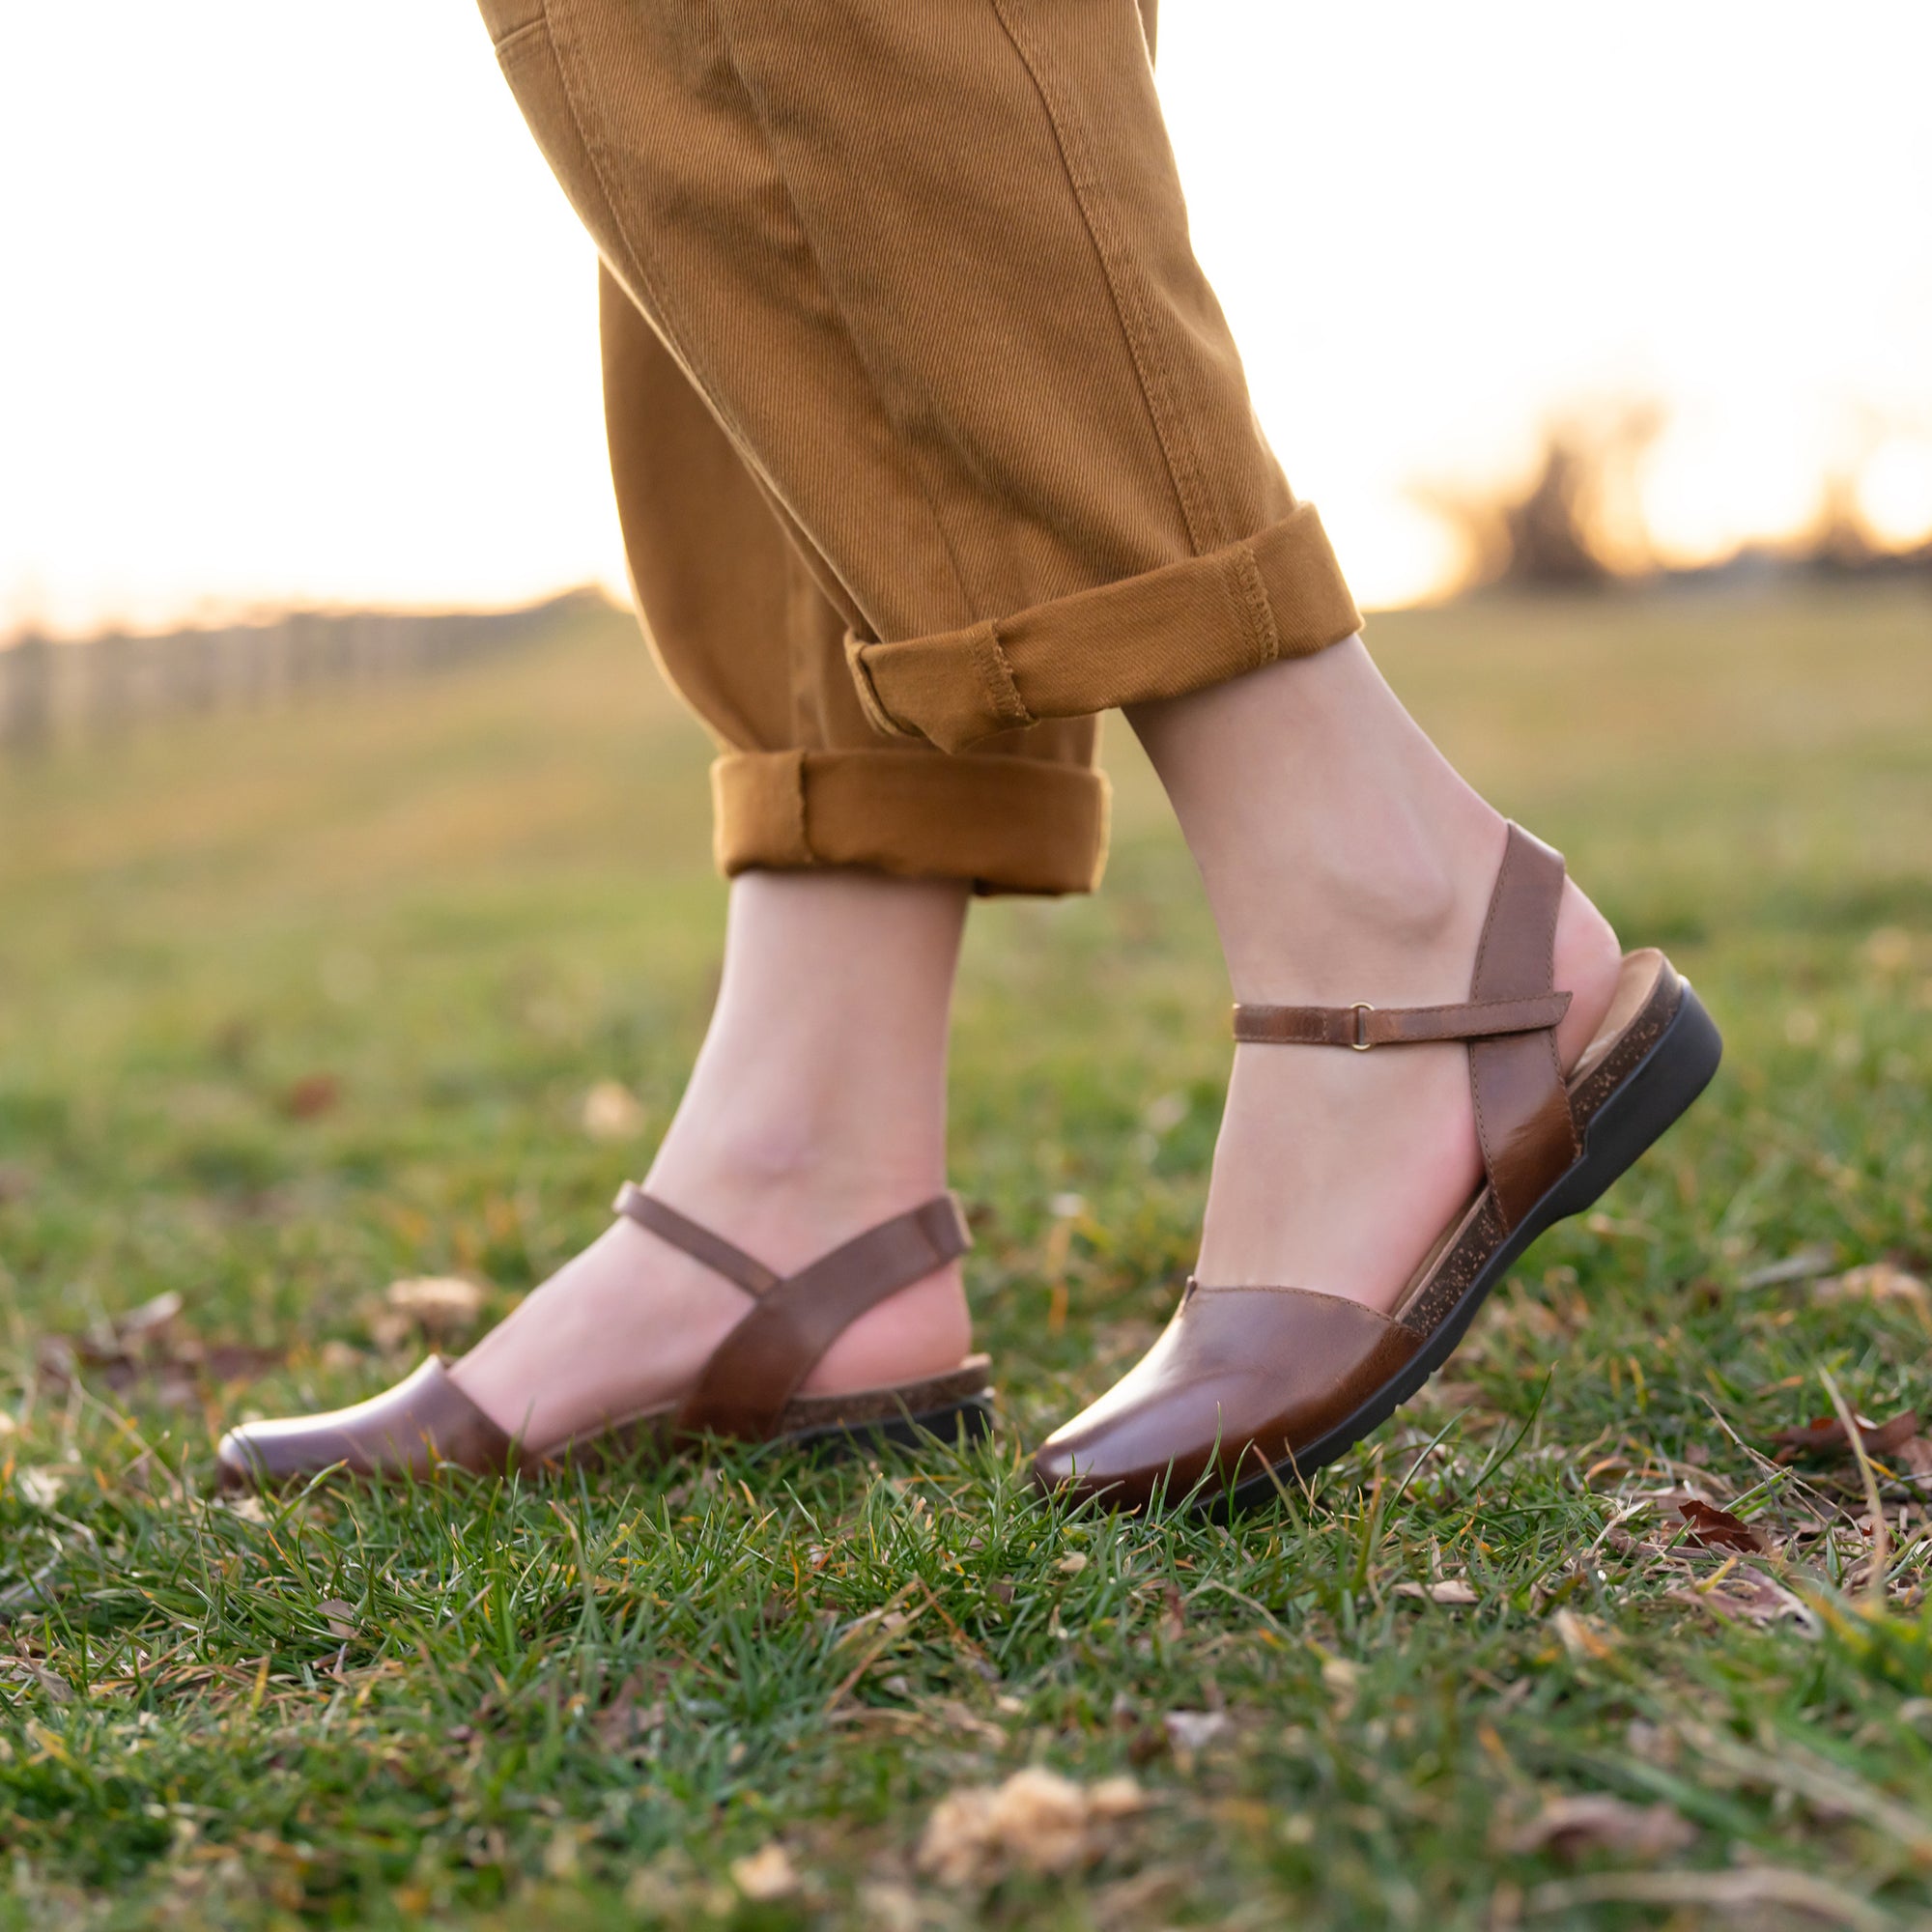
x: 425, y: 1420
x: 1243, y: 1379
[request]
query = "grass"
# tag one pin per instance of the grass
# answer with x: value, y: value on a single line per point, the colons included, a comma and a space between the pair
x: 293, y: 1008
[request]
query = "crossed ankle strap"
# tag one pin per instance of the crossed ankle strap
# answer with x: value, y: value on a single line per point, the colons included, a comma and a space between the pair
x: 1524, y: 1119
x: 757, y: 1368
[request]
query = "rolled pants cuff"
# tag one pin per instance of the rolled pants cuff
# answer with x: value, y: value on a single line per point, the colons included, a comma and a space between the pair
x: 1279, y: 593
x: 1005, y: 824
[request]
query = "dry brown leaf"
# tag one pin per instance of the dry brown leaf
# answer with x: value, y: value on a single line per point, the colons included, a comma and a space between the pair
x: 1747, y: 1594
x: 1877, y: 1282
x: 1173, y: 1612
x: 1448, y: 1590
x: 1594, y: 1822
x: 1194, y: 1730
x: 1583, y: 1636
x: 338, y: 1617
x: 314, y: 1094
x: 42, y: 1488
x: 440, y: 1305
x: 766, y: 1875
x: 151, y: 1318
x: 24, y: 1670
x: 145, y: 1347
x: 1804, y: 1266
x: 1826, y: 1437
x: 1036, y: 1821
x: 1713, y: 1528
x: 627, y: 1720
x: 612, y: 1112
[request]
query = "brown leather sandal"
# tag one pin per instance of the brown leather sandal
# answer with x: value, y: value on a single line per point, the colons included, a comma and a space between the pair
x: 1251, y: 1388
x: 747, y: 1391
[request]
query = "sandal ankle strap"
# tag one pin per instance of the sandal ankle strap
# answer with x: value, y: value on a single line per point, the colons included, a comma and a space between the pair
x: 1363, y: 1026
x: 1524, y: 1117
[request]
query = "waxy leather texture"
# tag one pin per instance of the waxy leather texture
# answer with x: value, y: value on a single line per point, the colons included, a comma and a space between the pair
x: 1250, y: 1380
x: 748, y: 1390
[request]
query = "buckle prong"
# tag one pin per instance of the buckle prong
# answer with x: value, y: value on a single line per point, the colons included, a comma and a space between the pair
x: 1361, y: 1042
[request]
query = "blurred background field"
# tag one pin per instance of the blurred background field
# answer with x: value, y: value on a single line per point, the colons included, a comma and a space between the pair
x: 398, y: 979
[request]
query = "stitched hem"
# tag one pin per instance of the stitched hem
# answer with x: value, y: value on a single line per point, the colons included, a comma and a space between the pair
x: 1279, y: 593
x: 1004, y: 824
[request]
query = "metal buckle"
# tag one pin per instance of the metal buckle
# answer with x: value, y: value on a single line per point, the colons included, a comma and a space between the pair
x: 1361, y: 1042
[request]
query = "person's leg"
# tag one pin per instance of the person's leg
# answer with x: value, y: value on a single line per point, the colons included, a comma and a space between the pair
x: 816, y: 1109
x: 1344, y: 861
x: 931, y: 270
x: 818, y: 1106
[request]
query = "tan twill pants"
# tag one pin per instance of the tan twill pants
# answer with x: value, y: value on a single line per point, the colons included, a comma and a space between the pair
x: 930, y: 440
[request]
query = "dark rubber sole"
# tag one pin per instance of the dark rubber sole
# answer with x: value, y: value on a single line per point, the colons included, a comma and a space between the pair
x: 953, y: 1426
x: 1657, y: 1092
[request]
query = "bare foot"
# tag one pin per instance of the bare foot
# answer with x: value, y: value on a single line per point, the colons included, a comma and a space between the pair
x: 816, y: 1110
x: 1345, y: 862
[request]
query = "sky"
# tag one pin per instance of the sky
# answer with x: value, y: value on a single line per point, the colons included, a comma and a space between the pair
x: 291, y: 309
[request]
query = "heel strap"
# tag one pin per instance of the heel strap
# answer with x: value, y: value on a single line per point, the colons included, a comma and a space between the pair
x: 757, y: 1368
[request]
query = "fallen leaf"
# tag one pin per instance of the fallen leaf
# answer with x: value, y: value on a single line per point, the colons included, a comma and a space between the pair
x: 1036, y: 1821
x: 1449, y: 1590
x: 150, y: 1319
x: 1827, y: 1438
x: 1583, y: 1636
x: 1341, y: 1675
x: 1072, y: 1563
x: 627, y: 1722
x: 766, y: 1875
x: 24, y: 1670
x: 1194, y: 1730
x: 42, y: 1488
x: 612, y: 1112
x: 232, y: 1361
x: 1571, y: 1827
x: 1713, y: 1528
x: 145, y: 1347
x: 312, y: 1095
x: 440, y: 1305
x: 1173, y: 1612
x: 338, y: 1618
x: 1800, y: 1267
x: 1750, y: 1595
x: 1877, y: 1282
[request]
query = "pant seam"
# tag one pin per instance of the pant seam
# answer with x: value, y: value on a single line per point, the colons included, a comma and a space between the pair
x: 1252, y: 590
x: 1169, y: 429
x: 996, y: 674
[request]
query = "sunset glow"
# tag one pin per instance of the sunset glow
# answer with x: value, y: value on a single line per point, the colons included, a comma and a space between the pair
x: 296, y: 313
